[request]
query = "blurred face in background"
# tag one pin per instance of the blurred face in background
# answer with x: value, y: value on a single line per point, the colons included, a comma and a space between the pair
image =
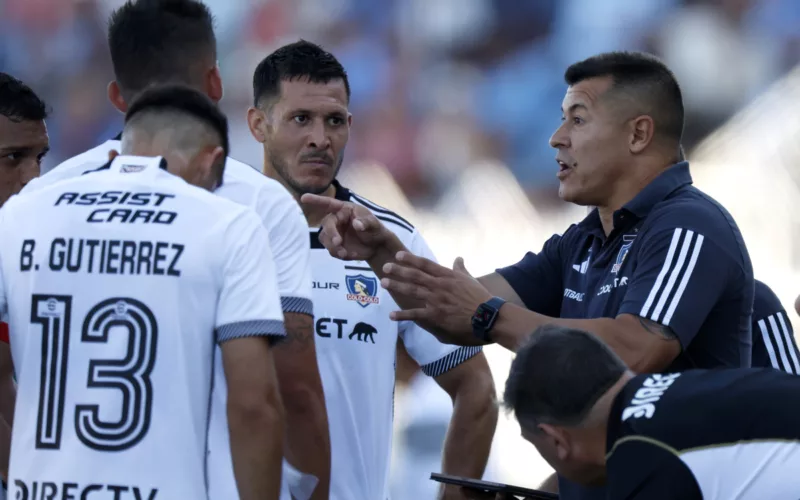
x: 304, y: 131
x: 592, y: 143
x: 23, y: 145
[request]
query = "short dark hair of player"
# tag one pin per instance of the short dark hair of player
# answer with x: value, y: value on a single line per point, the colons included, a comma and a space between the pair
x: 183, y: 100
x: 558, y: 375
x: 18, y: 102
x: 160, y: 41
x: 298, y: 60
x: 643, y: 80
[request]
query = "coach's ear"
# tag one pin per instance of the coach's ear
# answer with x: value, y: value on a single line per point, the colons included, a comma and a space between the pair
x: 115, y: 96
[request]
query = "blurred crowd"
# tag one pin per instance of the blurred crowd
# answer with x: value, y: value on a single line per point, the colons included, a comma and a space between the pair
x: 437, y: 84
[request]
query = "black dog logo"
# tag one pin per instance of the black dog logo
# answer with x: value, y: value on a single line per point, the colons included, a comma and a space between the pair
x: 363, y: 331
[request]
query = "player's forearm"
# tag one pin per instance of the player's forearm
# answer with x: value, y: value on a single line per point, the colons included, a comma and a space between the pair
x: 471, y: 430
x: 256, y: 432
x: 5, y: 447
x: 308, y: 445
x: 307, y: 441
x: 515, y: 324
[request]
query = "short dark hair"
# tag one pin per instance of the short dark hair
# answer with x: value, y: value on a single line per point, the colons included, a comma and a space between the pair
x: 297, y: 60
x: 182, y: 100
x: 558, y: 375
x: 159, y: 41
x: 18, y: 102
x: 643, y: 76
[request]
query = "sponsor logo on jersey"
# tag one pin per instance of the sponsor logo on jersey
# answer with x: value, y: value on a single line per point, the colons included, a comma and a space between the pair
x: 362, y: 289
x: 627, y: 240
x: 363, y: 332
x: 643, y: 404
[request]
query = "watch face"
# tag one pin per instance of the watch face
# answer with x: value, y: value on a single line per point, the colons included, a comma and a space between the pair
x: 482, y: 316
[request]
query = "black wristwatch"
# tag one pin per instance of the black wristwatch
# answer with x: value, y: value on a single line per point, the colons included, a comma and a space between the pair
x: 485, y: 317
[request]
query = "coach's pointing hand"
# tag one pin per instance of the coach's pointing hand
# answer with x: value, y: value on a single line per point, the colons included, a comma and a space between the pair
x: 348, y: 231
x: 450, y: 296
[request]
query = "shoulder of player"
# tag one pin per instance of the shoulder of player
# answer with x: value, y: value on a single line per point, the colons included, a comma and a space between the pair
x: 693, y: 210
x: 392, y: 220
x: 87, y: 160
x: 765, y: 302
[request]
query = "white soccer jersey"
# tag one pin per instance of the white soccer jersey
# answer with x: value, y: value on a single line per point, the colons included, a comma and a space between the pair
x: 356, y: 351
x: 288, y: 239
x: 118, y: 285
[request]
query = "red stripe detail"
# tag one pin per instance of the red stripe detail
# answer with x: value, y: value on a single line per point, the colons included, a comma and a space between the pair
x: 4, y: 332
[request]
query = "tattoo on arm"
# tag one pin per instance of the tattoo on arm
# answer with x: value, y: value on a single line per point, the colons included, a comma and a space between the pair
x: 663, y: 331
x: 299, y: 333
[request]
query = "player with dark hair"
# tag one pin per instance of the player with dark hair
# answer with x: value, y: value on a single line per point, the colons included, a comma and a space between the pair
x: 23, y: 145
x: 154, y: 122
x: 23, y: 135
x: 300, y: 114
x: 658, y: 270
x: 699, y: 434
x: 172, y: 41
x: 107, y: 274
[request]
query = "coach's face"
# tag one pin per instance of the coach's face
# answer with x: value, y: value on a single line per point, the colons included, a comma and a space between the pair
x: 591, y: 143
x: 569, y: 452
x: 305, y: 132
x: 23, y: 144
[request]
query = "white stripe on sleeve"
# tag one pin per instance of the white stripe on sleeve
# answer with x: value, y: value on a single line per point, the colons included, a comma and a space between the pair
x: 765, y: 334
x: 790, y: 344
x: 679, y: 272
x: 776, y: 334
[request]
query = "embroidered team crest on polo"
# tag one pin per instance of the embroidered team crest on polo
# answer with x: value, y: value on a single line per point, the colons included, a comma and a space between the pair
x: 627, y: 243
x: 362, y: 289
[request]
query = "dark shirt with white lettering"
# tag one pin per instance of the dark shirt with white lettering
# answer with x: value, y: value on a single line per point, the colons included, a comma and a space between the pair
x: 705, y: 435
x: 774, y: 344
x: 675, y: 257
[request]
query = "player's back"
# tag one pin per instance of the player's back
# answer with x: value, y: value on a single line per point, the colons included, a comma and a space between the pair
x: 112, y: 281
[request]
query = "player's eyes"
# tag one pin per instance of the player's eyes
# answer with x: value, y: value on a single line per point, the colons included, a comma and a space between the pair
x: 301, y: 119
x: 335, y: 121
x: 577, y: 120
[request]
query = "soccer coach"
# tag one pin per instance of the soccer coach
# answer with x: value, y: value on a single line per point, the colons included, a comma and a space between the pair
x: 659, y: 270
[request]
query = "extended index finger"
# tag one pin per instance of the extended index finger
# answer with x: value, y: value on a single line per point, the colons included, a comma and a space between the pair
x: 326, y: 203
x: 425, y: 265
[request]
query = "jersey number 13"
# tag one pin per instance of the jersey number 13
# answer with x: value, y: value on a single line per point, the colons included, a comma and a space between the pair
x: 130, y: 375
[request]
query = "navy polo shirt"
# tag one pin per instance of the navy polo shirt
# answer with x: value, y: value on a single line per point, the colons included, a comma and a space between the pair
x: 675, y: 257
x: 774, y: 345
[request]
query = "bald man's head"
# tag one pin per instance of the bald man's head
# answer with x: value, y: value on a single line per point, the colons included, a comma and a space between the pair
x: 182, y: 125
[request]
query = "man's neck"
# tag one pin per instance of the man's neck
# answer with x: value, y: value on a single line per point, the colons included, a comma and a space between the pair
x: 601, y: 413
x: 625, y: 191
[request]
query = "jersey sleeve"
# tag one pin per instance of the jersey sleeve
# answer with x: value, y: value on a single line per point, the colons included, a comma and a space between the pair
x: 538, y: 278
x: 288, y: 238
x: 680, y: 276
x: 434, y: 357
x: 774, y: 344
x: 248, y: 303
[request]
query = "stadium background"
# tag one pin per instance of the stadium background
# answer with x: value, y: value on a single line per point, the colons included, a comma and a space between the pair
x: 453, y: 103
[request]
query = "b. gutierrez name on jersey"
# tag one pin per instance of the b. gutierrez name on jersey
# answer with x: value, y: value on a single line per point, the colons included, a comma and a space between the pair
x: 356, y: 349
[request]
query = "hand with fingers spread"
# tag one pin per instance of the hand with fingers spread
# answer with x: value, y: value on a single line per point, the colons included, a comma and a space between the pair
x: 447, y: 298
x: 348, y: 231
